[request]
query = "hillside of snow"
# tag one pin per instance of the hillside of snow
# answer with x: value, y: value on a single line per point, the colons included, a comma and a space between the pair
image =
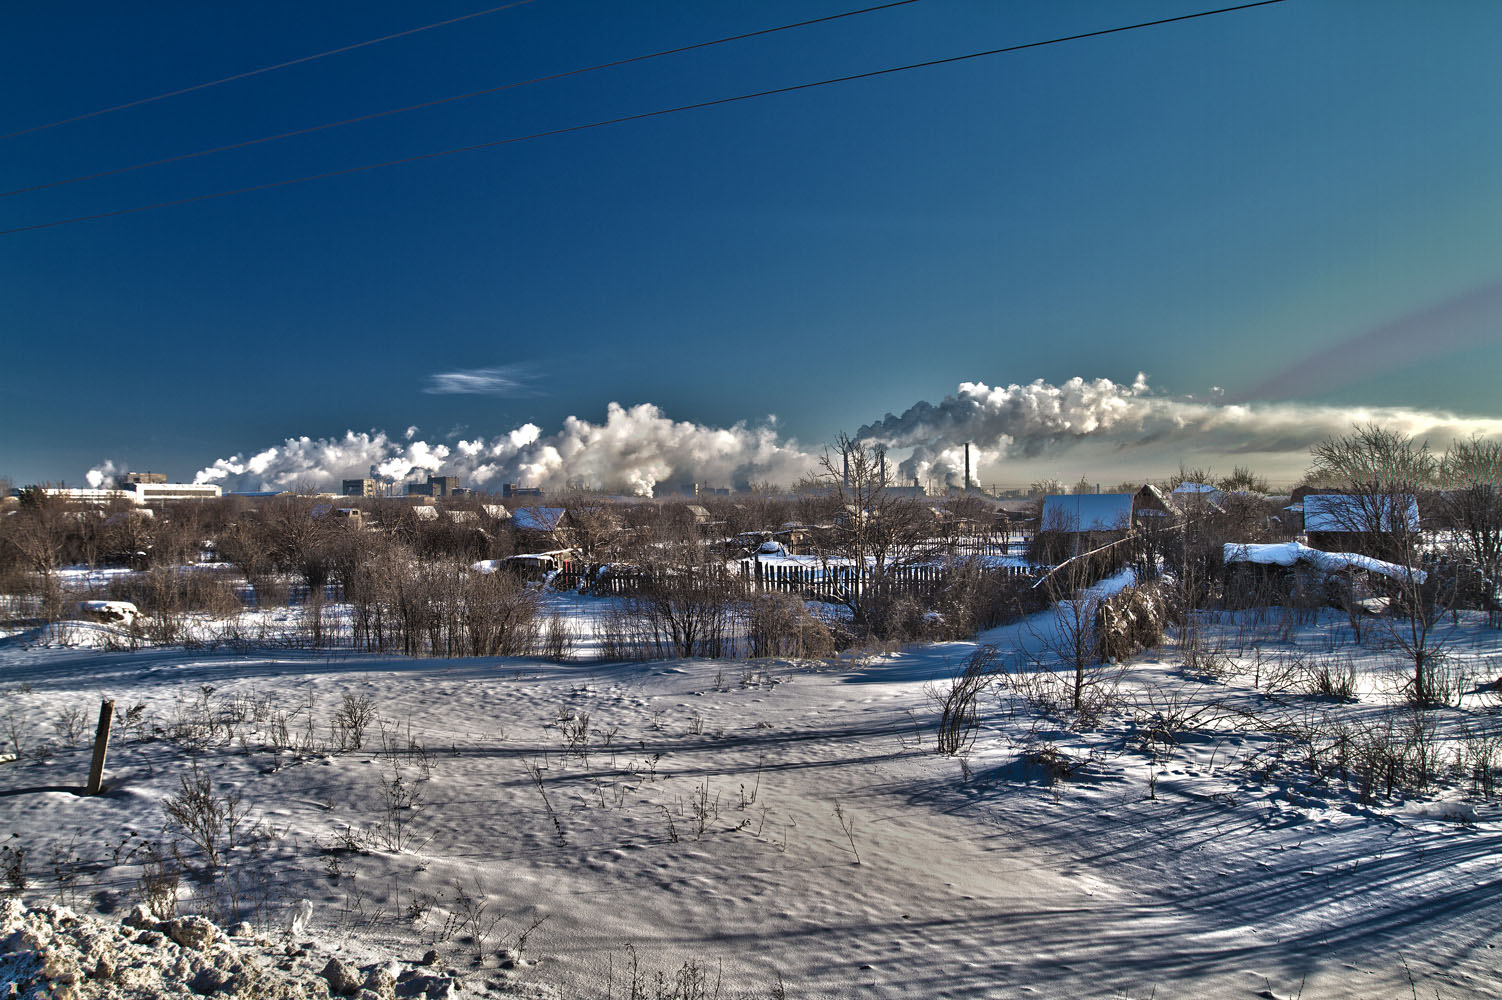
x: 744, y: 828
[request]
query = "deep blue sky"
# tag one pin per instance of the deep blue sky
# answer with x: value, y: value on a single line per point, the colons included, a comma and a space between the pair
x: 1209, y: 202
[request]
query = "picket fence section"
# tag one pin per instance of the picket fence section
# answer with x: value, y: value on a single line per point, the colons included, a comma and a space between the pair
x: 812, y: 581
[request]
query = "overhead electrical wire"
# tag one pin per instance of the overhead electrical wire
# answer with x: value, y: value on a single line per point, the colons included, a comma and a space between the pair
x: 793, y: 88
x: 448, y: 100
x: 265, y: 69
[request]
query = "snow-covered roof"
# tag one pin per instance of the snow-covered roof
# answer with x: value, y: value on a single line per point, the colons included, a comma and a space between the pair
x: 527, y: 560
x: 1346, y: 512
x: 1087, y: 512
x: 1288, y: 553
x: 495, y: 510
x: 425, y: 513
x: 537, y: 518
x: 1195, y: 488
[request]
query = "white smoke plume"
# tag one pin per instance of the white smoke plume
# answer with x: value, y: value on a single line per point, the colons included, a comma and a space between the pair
x: 638, y: 449
x: 1037, y: 419
x: 633, y: 451
x: 103, y: 475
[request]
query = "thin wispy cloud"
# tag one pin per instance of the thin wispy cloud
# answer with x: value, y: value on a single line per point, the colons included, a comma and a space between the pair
x: 505, y: 380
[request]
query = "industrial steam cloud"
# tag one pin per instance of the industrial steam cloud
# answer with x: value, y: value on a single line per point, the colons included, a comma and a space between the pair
x: 638, y: 449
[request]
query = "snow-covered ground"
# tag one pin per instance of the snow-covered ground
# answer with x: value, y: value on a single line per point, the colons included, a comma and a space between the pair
x: 751, y: 824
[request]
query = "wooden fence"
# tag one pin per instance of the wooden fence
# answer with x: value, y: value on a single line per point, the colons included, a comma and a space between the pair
x: 811, y: 580
x: 297, y: 594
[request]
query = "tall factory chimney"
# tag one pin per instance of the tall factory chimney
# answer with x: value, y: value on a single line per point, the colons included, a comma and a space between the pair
x: 967, y: 466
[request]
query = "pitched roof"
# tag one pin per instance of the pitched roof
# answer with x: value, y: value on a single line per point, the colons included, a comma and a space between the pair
x: 1087, y: 512
x: 537, y: 518
x: 1347, y: 512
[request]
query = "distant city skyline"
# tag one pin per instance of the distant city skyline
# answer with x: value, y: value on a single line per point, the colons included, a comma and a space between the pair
x: 1286, y: 216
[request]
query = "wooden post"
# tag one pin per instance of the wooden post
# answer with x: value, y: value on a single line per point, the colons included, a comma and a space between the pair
x: 101, y: 746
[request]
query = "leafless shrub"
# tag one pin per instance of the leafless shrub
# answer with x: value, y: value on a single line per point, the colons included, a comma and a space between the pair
x: 1134, y: 619
x: 211, y: 820
x: 780, y: 625
x: 1393, y: 754
x: 1054, y: 764
x: 687, y: 610
x: 1163, y: 716
x: 14, y: 726
x: 195, y: 723
x: 847, y: 824
x: 472, y: 912
x: 160, y: 875
x: 690, y: 982
x: 1328, y: 677
x: 1446, y: 680
x: 13, y: 866
x: 1202, y: 649
x: 705, y: 810
x: 70, y: 725
x: 957, y: 701
x: 534, y: 771
x: 623, y: 637
x: 1480, y: 758
x: 400, y: 800
x: 558, y: 639
x: 1040, y: 691
x: 573, y: 727
x: 350, y: 720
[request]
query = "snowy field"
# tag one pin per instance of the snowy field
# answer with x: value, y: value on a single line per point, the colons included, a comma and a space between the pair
x: 755, y: 827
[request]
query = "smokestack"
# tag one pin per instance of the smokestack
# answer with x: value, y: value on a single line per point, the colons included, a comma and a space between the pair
x: 883, y: 454
x: 967, y: 466
x: 846, y: 453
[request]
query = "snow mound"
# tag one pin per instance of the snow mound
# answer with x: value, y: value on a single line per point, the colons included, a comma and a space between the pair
x: 50, y: 952
x: 1288, y: 553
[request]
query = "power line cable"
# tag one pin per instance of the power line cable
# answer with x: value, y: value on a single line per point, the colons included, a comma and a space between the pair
x: 264, y: 69
x: 344, y: 171
x: 448, y: 100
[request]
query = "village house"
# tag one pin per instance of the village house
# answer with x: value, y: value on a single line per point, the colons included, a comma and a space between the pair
x: 1375, y: 525
x: 541, y: 529
x: 1072, y: 523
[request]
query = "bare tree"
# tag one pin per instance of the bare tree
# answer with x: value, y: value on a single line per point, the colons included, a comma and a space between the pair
x: 35, y: 535
x: 596, y: 528
x: 245, y: 545
x: 1471, y: 472
x: 1243, y: 479
x: 867, y: 530
x: 1381, y: 473
x: 687, y: 599
x: 1072, y: 632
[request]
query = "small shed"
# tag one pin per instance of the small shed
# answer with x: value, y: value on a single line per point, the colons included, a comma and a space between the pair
x: 1371, y: 524
x: 1070, y: 523
x: 541, y: 527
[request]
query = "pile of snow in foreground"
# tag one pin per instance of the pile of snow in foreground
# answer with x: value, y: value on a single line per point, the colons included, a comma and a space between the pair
x: 52, y: 952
